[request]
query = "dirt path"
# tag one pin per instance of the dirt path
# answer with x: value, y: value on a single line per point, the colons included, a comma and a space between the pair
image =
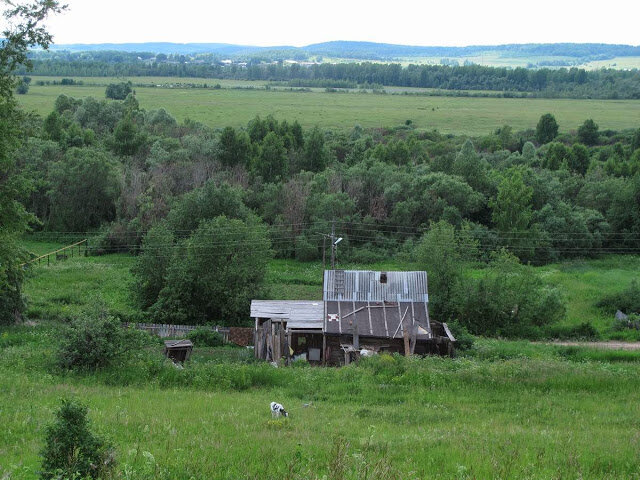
x: 603, y: 345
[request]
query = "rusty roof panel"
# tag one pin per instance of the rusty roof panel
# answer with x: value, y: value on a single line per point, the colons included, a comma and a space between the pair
x: 373, y: 319
x: 375, y: 286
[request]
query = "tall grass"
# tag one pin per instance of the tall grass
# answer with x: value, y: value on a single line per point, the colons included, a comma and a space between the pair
x: 546, y: 413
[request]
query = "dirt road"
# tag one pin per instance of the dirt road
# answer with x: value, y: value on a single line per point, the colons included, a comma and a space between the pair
x: 603, y: 345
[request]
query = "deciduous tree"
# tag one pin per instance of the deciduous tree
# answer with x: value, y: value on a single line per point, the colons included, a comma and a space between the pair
x: 25, y: 30
x: 547, y: 129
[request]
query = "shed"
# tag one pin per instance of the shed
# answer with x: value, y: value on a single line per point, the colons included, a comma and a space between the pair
x: 178, y: 350
x: 288, y: 328
x: 374, y: 310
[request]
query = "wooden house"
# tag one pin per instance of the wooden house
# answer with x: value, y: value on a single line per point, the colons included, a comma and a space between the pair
x: 362, y: 312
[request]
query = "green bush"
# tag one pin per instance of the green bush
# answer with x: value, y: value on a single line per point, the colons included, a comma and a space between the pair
x: 205, y: 337
x: 627, y: 300
x: 509, y: 300
x: 95, y: 341
x: 71, y: 450
x: 464, y: 340
x: 583, y: 331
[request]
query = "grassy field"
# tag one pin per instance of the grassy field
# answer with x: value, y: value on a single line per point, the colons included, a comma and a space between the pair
x: 458, y: 115
x: 501, y: 410
x: 507, y: 410
x: 65, y: 288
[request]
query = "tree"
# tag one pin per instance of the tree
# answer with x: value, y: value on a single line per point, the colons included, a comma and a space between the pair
x: 205, y: 203
x: 442, y: 252
x: 547, y: 129
x: 579, y: 159
x: 118, y: 91
x: 512, y: 211
x: 528, y: 153
x: 234, y: 147
x: 315, y: 152
x: 84, y: 189
x: 472, y: 167
x: 23, y: 86
x: 215, y: 274
x: 271, y: 164
x: 127, y: 139
x: 635, y: 141
x: 151, y: 265
x: 588, y: 132
x: 512, y: 206
x: 509, y: 299
x: 556, y: 154
x: 25, y: 31
x: 72, y: 450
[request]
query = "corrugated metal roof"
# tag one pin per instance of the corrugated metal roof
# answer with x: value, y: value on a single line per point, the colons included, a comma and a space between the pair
x: 297, y: 313
x: 372, y: 286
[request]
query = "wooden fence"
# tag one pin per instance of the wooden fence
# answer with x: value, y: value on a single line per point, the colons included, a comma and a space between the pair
x: 237, y: 335
x: 62, y: 253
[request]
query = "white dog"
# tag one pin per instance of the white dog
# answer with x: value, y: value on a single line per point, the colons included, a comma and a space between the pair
x: 278, y: 410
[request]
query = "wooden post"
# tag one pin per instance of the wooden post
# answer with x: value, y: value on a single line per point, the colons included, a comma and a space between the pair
x: 289, y: 347
x: 414, y: 338
x: 324, y: 349
x: 405, y: 336
x: 273, y: 341
x: 356, y: 336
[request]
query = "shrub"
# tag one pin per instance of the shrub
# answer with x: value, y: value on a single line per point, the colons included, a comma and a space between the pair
x: 509, y: 300
x: 464, y: 340
x: 583, y: 331
x: 96, y: 341
x: 205, y: 337
x: 627, y: 300
x: 71, y: 450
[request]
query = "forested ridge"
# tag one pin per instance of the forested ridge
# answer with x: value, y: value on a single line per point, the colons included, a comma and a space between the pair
x: 544, y: 82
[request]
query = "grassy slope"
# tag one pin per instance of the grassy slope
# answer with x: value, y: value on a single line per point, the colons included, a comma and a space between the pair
x: 584, y: 282
x: 473, y: 116
x: 64, y: 288
x: 534, y: 417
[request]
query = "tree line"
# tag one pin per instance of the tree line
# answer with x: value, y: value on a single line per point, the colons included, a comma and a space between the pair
x: 544, y: 82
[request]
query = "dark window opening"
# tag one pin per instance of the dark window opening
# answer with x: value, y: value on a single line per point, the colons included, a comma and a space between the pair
x: 383, y: 278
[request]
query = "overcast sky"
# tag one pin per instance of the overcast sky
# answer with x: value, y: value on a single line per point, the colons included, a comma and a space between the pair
x: 299, y: 22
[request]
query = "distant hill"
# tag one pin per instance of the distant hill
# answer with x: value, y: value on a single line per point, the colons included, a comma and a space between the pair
x: 368, y: 50
x: 167, y: 48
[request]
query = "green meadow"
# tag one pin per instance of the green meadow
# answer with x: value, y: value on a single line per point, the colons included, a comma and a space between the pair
x: 500, y: 410
x: 235, y: 106
x: 504, y: 410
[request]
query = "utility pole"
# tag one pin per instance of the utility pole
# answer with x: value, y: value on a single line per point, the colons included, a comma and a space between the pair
x: 333, y: 245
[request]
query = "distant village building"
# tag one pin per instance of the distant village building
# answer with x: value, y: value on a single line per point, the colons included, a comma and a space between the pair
x: 362, y: 312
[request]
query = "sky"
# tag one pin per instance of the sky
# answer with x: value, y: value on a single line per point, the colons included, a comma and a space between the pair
x: 299, y: 22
